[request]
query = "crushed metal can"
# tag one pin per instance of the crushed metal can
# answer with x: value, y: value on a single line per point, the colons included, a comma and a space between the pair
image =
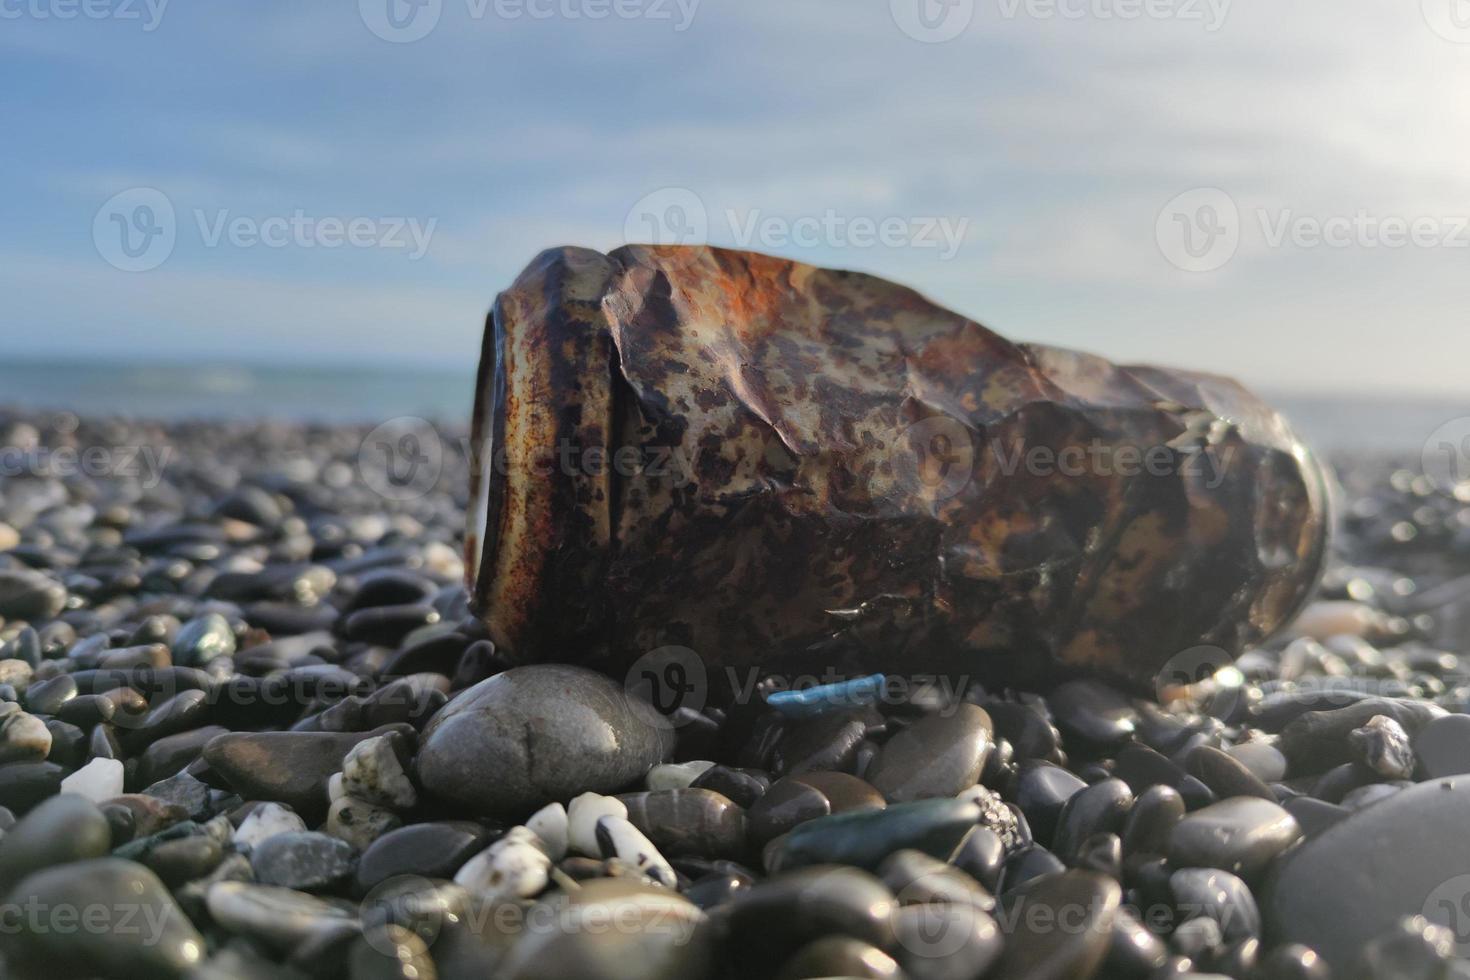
x: 788, y: 468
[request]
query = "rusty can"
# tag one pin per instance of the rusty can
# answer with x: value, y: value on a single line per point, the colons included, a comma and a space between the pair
x: 788, y: 468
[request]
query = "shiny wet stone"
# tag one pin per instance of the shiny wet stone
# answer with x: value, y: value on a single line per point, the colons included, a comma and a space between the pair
x: 1242, y: 836
x: 863, y: 838
x: 1036, y: 947
x: 937, y: 756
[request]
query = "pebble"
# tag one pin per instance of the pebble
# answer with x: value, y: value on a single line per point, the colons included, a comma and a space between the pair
x: 99, y: 780
x: 1443, y: 746
x: 1036, y: 947
x: 550, y: 825
x: 121, y: 896
x: 536, y: 735
x: 512, y: 867
x: 359, y: 822
x: 436, y: 849
x: 863, y: 838
x: 1360, y: 876
x: 1042, y: 789
x: 303, y: 860
x: 29, y: 595
x: 1242, y: 836
x: 619, y: 838
x: 23, y: 737
x: 778, y: 916
x: 676, y: 775
x: 1263, y: 760
x: 1412, y: 948
x: 945, y: 942
x: 1383, y: 746
x: 283, y: 767
x: 916, y: 878
x: 1093, y: 713
x: 1224, y: 775
x: 839, y: 956
x: 279, y: 917
x: 683, y: 822
x: 1151, y: 821
x: 936, y: 756
x: 1319, y: 740
x: 374, y: 770
x: 63, y: 829
x: 1217, y: 895
x: 1099, y: 809
x: 266, y: 821
x: 825, y: 742
x: 583, y: 814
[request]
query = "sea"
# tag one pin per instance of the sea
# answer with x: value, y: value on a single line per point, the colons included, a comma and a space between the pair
x: 1335, y: 423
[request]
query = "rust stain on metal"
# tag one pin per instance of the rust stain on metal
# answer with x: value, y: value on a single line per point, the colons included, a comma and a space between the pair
x: 788, y: 467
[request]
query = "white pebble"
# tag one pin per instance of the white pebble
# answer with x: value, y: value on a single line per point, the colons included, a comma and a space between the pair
x: 99, y: 780
x: 372, y: 772
x: 267, y: 820
x: 359, y: 822
x: 512, y: 867
x: 16, y: 673
x: 628, y: 844
x: 334, y: 787
x: 550, y: 824
x: 676, y: 775
x: 582, y: 815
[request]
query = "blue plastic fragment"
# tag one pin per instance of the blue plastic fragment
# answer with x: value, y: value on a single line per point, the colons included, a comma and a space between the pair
x: 842, y: 696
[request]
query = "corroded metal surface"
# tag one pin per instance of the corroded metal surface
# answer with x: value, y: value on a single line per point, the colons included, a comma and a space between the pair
x: 796, y: 468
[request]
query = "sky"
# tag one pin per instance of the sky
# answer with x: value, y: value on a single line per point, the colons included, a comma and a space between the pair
x: 1274, y: 191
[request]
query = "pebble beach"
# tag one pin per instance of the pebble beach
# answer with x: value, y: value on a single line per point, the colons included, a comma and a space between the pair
x: 249, y: 727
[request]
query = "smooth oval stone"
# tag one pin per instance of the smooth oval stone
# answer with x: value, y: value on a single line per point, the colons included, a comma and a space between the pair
x: 938, y: 755
x: 1093, y: 712
x: 839, y: 956
x: 63, y: 829
x: 29, y: 595
x: 1152, y: 820
x: 1031, y: 735
x: 536, y: 735
x: 863, y: 838
x: 916, y: 878
x: 827, y: 698
x: 981, y: 855
x: 46, y: 697
x: 284, y: 767
x: 1218, y: 895
x: 1134, y: 951
x: 122, y: 923
x: 431, y: 850
x: 744, y: 786
x: 1030, y: 862
x: 1443, y: 746
x: 613, y: 929
x: 844, y: 792
x: 683, y: 822
x: 1225, y: 776
x: 1041, y: 791
x: 788, y: 803
x: 1357, y: 878
x: 201, y: 640
x: 1314, y: 815
x: 279, y: 917
x: 714, y: 890
x: 1063, y: 926
x: 24, y: 784
x: 1265, y: 761
x: 303, y: 860
x: 177, y: 862
x: 1099, y: 809
x: 784, y: 912
x: 676, y: 775
x: 1242, y: 836
x: 945, y: 942
x: 826, y: 742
